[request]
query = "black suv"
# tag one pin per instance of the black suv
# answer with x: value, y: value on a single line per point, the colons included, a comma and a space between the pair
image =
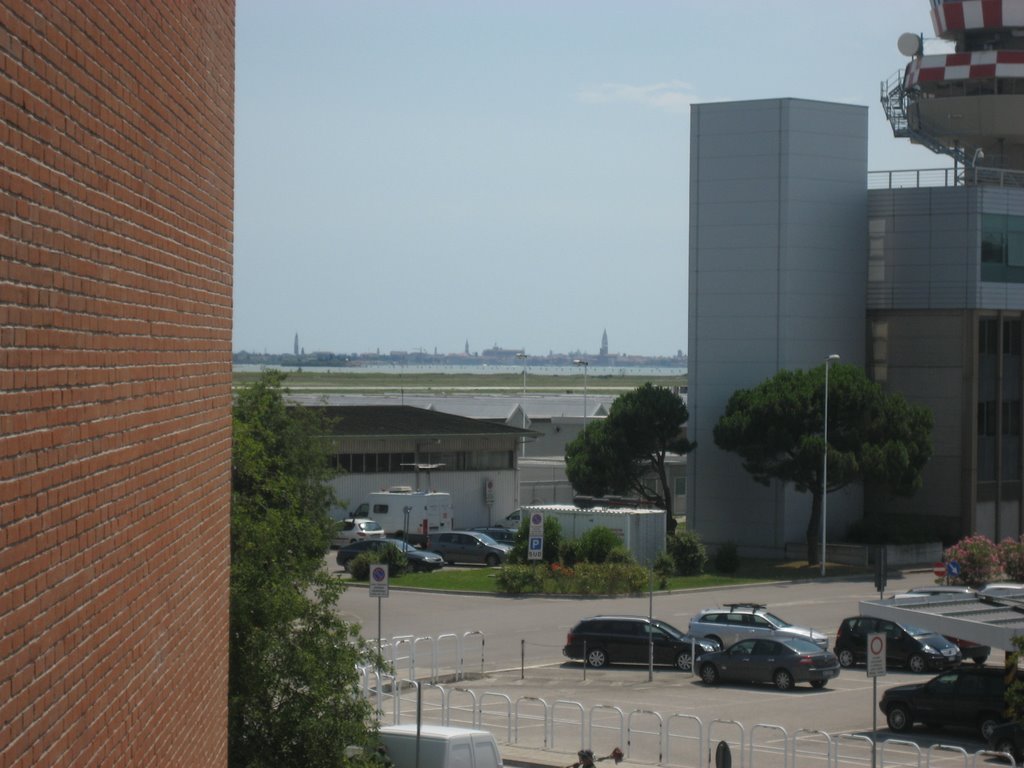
x: 917, y: 649
x: 1009, y: 738
x: 603, y: 639
x: 968, y: 696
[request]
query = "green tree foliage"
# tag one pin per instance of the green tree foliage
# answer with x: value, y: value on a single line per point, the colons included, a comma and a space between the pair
x: 293, y: 696
x: 873, y: 437
x: 616, y: 454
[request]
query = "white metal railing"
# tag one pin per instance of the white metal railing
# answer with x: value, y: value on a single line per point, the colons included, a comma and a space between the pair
x: 415, y: 657
x: 531, y: 722
x: 945, y: 177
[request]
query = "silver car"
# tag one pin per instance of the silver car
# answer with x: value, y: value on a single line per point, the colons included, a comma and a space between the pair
x: 737, y: 621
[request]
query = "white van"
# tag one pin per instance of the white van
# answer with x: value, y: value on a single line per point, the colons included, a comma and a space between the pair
x: 440, y: 747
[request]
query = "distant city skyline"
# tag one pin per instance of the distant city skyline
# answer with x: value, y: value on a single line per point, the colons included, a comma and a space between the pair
x: 604, y: 350
x: 494, y: 354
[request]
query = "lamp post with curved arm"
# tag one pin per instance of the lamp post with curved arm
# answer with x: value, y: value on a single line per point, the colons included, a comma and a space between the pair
x: 586, y: 366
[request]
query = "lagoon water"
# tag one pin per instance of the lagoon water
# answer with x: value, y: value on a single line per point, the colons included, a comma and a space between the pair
x: 549, y: 370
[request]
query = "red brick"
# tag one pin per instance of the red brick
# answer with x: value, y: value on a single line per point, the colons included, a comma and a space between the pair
x: 116, y: 129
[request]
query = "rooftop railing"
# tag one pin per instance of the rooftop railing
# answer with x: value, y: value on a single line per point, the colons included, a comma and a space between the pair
x: 945, y: 177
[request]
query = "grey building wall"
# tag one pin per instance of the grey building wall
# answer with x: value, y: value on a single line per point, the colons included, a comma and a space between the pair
x: 777, y: 268
x: 928, y: 295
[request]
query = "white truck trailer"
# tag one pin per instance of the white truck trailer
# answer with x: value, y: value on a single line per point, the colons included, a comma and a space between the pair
x: 642, y: 531
x: 405, y: 513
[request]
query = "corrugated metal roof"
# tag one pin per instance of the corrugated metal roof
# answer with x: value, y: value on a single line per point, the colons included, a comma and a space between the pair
x: 992, y: 621
x: 405, y: 420
x: 494, y: 407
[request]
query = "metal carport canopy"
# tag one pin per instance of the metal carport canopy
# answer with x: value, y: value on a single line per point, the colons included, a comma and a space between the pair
x: 986, y: 620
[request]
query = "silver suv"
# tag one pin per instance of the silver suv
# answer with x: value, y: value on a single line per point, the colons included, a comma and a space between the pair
x: 735, y: 621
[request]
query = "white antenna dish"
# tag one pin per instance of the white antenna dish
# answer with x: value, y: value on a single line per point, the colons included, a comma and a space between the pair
x: 909, y: 44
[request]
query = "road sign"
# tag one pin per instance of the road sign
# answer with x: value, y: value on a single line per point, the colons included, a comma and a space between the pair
x: 536, y: 548
x: 939, y: 569
x: 876, y: 654
x: 953, y: 569
x: 379, y: 580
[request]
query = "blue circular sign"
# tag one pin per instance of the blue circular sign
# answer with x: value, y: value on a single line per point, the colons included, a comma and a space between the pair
x: 379, y: 574
x: 536, y: 518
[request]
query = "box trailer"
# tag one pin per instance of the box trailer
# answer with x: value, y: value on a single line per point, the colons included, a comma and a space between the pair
x: 405, y: 513
x: 642, y: 531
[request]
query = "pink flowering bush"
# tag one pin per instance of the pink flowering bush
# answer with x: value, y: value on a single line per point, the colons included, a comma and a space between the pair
x: 1011, y: 555
x: 978, y: 558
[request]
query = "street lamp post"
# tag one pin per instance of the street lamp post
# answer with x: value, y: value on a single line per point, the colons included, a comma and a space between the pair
x: 522, y: 406
x: 824, y: 469
x: 586, y: 367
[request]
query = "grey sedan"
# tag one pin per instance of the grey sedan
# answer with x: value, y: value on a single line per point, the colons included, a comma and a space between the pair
x: 782, y: 661
x: 469, y: 547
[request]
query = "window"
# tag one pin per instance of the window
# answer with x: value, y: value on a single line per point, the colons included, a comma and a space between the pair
x: 987, y: 336
x: 1011, y: 337
x: 987, y: 417
x: 993, y: 239
x: 1011, y: 417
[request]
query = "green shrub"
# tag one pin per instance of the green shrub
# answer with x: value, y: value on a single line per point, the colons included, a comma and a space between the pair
x: 619, y: 555
x: 688, y: 553
x: 569, y: 553
x: 397, y: 562
x: 727, y: 557
x: 584, y: 579
x: 664, y: 568
x: 594, y: 545
x: 521, y: 579
x: 609, y: 579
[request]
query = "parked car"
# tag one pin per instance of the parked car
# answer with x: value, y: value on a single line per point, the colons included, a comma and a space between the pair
x: 976, y: 652
x: 968, y: 697
x: 1010, y: 590
x: 737, y: 621
x: 419, y: 560
x: 1009, y: 738
x: 917, y: 649
x: 469, y: 547
x: 783, y: 661
x: 600, y: 640
x: 354, y: 529
x: 500, y: 535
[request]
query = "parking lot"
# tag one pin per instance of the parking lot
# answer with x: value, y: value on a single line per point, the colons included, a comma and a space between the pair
x: 519, y: 657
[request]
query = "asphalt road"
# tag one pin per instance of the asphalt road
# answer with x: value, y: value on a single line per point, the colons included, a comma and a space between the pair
x: 522, y: 656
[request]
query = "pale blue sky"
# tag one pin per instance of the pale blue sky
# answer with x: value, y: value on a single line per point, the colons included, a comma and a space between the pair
x: 418, y: 174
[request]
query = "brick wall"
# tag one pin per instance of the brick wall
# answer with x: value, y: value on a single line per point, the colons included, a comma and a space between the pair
x: 116, y: 198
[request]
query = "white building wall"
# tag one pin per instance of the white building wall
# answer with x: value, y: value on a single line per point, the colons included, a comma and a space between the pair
x: 778, y: 244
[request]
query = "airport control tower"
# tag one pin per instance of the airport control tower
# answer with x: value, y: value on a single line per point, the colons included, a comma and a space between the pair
x: 968, y: 104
